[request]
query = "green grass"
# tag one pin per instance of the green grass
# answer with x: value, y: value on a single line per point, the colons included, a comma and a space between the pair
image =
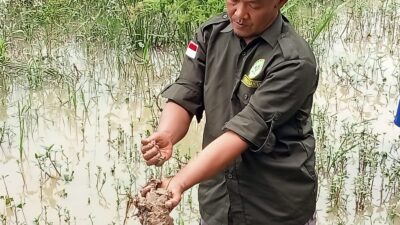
x: 2, y: 50
x: 311, y: 18
x: 141, y: 23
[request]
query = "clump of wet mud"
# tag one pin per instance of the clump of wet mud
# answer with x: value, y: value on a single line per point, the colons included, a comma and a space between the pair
x: 151, y: 208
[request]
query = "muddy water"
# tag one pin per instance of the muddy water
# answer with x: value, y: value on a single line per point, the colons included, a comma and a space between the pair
x: 91, y: 132
x: 359, y: 91
x: 69, y: 151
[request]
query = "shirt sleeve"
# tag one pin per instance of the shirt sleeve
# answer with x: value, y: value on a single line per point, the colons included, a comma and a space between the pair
x: 187, y: 90
x: 285, y: 89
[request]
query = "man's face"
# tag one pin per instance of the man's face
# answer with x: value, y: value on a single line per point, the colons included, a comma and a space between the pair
x: 250, y: 18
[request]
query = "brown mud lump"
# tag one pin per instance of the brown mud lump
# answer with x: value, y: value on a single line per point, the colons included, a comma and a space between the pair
x: 151, y: 208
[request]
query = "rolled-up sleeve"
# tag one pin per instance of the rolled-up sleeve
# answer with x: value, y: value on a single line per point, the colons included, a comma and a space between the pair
x: 281, y: 94
x: 187, y: 91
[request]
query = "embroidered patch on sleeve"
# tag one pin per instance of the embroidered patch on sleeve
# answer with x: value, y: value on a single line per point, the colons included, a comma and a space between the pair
x: 191, y: 49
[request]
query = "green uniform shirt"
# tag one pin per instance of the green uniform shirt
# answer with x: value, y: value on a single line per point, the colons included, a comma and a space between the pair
x: 262, y: 91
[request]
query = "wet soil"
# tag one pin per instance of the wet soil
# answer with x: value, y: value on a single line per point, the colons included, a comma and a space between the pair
x: 151, y: 208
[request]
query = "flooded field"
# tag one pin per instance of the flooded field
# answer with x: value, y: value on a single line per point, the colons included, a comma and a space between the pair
x: 358, y: 143
x: 73, y: 111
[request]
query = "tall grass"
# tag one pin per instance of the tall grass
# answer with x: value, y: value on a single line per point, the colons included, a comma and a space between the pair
x: 2, y: 50
x: 3, y: 82
x: 135, y: 22
x: 142, y: 23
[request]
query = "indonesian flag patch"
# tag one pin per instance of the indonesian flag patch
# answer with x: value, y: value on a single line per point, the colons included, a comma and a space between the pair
x: 191, y: 50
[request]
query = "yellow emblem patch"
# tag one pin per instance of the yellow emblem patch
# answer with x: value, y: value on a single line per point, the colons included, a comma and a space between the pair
x: 249, y: 82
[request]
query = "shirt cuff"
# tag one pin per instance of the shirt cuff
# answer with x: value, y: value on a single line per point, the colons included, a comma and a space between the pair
x: 186, y: 97
x: 254, y: 129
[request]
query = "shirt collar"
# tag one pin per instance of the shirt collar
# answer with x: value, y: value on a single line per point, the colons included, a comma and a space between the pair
x: 270, y: 35
x: 273, y: 32
x: 228, y: 28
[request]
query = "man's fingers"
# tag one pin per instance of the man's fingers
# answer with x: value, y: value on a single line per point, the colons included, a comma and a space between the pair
x: 151, y: 144
x: 145, y: 190
x: 151, y: 149
x: 173, y: 202
x: 155, y: 160
x: 170, y: 204
x: 145, y: 141
x: 151, y: 153
x: 151, y: 138
x: 147, y: 147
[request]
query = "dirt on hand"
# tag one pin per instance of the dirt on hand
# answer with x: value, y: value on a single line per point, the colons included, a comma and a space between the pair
x: 151, y: 208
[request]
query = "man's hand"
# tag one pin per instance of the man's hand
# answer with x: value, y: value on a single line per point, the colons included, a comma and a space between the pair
x: 173, y: 126
x: 157, y: 148
x: 173, y: 186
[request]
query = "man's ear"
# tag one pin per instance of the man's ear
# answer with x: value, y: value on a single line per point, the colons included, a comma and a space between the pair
x: 280, y: 4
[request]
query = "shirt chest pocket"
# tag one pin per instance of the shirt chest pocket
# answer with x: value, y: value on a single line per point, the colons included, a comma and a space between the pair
x: 249, y: 83
x: 244, y: 93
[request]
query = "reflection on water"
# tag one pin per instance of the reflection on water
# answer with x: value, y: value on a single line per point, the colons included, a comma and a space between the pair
x: 69, y: 143
x: 358, y: 92
x: 80, y: 140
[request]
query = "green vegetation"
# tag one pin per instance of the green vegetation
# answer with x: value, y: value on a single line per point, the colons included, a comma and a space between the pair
x: 2, y: 50
x: 132, y: 27
x: 140, y: 23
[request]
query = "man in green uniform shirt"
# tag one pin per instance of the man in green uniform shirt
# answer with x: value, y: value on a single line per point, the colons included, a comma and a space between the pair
x: 254, y: 77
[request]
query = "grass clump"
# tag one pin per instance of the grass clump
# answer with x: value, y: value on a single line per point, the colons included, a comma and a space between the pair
x: 181, y: 17
x: 311, y: 18
x: 141, y: 24
x: 2, y: 50
x: 137, y: 22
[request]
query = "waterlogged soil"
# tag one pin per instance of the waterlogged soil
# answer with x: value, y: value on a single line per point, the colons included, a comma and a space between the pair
x: 151, y: 208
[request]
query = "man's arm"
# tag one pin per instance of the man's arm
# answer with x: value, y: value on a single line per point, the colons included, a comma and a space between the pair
x: 214, y: 158
x: 174, y: 121
x: 173, y: 126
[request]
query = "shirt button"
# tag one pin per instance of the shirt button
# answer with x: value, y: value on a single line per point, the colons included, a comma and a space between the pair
x: 244, y: 53
x: 230, y: 176
x: 246, y: 97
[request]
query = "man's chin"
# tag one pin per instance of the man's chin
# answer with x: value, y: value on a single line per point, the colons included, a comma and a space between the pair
x: 243, y: 35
